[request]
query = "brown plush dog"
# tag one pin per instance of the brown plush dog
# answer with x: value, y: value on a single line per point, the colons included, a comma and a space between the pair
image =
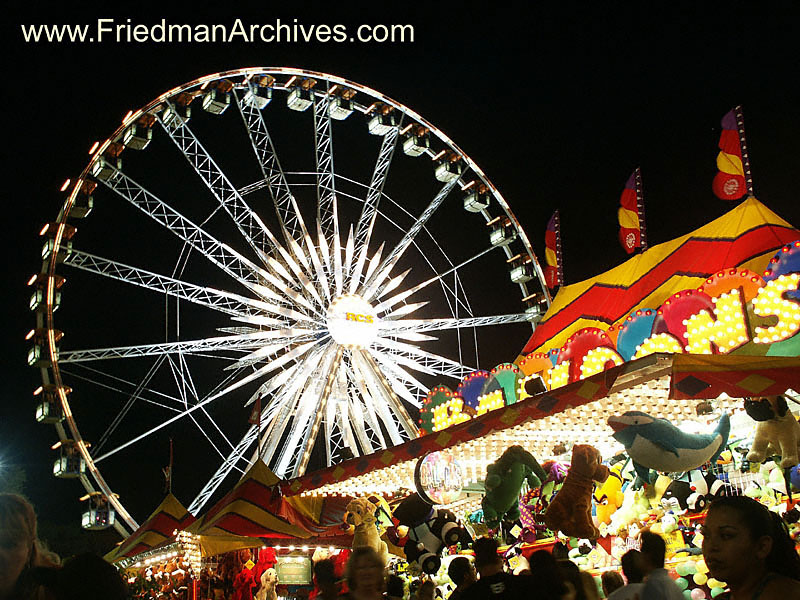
x: 361, y: 515
x: 777, y: 431
x: 571, y: 510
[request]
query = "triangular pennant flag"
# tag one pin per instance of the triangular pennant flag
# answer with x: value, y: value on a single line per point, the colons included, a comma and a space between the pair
x: 733, y: 179
x: 631, y: 215
x: 553, y: 271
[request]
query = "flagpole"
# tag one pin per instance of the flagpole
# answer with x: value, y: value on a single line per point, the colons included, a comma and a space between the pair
x: 748, y: 176
x: 558, y: 249
x: 640, y: 209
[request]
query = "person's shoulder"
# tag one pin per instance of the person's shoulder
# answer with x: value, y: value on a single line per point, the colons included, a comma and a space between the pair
x: 781, y: 588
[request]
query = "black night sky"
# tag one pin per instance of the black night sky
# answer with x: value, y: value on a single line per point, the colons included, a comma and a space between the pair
x: 556, y: 106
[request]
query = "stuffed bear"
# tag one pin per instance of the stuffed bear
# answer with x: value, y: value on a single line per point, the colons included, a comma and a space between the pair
x: 360, y: 513
x: 777, y: 431
x: 430, y: 530
x: 571, y: 510
x: 503, y: 483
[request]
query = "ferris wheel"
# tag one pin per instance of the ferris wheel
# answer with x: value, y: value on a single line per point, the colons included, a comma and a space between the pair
x: 276, y: 262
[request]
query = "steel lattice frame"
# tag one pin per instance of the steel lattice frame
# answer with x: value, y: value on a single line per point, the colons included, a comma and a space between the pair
x: 282, y: 340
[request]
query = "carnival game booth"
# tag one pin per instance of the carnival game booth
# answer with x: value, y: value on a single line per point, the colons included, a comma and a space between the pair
x: 152, y: 557
x: 683, y: 333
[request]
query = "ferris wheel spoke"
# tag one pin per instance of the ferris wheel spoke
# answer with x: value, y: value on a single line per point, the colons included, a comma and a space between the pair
x: 400, y: 379
x: 366, y: 221
x: 395, y: 417
x: 423, y: 361
x: 363, y: 403
x: 185, y: 386
x: 241, y: 342
x: 391, y: 259
x: 225, y: 302
x: 326, y: 183
x: 389, y: 302
x: 393, y: 327
x: 250, y: 225
x: 222, y: 255
x: 294, y: 455
x: 264, y: 149
x: 398, y: 410
x: 364, y: 408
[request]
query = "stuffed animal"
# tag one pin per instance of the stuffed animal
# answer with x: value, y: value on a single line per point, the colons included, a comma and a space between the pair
x: 503, y: 483
x: 360, y: 513
x: 654, y: 443
x: 777, y: 430
x: 269, y: 579
x: 571, y: 510
x: 609, y: 497
x: 430, y: 530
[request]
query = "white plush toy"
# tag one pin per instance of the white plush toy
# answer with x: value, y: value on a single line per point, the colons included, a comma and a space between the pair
x: 777, y: 430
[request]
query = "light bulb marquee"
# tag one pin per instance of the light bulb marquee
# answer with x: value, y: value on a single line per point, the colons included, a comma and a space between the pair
x: 734, y: 311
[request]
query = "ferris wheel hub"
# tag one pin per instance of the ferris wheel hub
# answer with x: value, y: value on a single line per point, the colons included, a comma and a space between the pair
x: 352, y: 321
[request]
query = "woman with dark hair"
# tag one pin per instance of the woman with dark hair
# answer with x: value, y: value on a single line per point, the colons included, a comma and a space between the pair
x: 749, y: 548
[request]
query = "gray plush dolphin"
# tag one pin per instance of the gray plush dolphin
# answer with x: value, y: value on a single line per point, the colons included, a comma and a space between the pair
x: 654, y: 443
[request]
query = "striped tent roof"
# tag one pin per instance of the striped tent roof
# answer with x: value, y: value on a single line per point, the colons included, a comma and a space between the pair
x: 745, y: 237
x: 256, y: 508
x: 155, y: 531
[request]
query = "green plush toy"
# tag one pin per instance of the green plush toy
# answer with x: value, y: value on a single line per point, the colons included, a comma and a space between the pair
x: 503, y: 483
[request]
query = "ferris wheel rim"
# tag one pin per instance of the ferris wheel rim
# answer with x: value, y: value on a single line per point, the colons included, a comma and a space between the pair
x: 50, y: 265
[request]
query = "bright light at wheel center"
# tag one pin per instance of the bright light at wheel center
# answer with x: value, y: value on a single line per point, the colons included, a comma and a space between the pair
x: 352, y: 321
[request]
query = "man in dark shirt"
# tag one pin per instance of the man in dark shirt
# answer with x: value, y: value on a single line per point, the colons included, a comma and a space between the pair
x: 462, y: 573
x: 495, y: 583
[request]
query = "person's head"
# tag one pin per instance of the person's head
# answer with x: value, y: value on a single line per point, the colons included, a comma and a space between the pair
x: 560, y: 551
x: 364, y: 569
x: 632, y: 566
x: 611, y: 580
x: 325, y: 573
x: 486, y: 558
x: 17, y: 539
x: 20, y: 549
x: 395, y: 588
x: 426, y: 590
x: 741, y: 535
x: 461, y: 571
x: 544, y: 567
x: 653, y: 550
x: 571, y: 575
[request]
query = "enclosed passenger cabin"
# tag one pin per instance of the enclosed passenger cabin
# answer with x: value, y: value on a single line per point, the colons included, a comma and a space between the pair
x: 216, y: 101
x: 448, y: 169
x: 69, y: 464
x: 100, y: 514
x: 417, y: 141
x: 521, y: 268
x: 38, y: 355
x: 48, y: 405
x: 501, y: 231
x: 259, y: 92
x: 84, y: 202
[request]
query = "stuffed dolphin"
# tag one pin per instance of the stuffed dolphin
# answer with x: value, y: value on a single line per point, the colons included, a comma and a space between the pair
x: 657, y: 444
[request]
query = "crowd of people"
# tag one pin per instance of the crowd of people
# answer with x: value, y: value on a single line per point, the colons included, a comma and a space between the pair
x: 744, y: 544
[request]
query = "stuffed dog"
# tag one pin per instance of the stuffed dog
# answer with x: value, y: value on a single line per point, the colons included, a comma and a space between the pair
x: 777, y: 431
x: 571, y: 510
x: 360, y: 513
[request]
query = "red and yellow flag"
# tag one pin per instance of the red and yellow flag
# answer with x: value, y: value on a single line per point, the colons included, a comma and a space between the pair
x: 553, y: 271
x: 733, y: 179
x: 632, y: 233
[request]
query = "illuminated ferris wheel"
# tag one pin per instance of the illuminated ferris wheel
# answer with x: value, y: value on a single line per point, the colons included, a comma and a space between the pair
x: 284, y: 258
